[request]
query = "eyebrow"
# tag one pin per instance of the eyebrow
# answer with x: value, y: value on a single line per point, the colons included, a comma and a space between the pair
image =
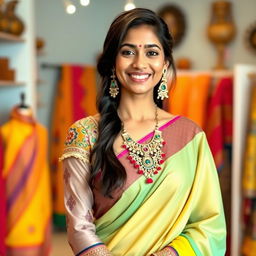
x: 145, y: 46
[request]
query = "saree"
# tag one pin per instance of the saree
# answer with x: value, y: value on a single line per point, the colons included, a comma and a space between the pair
x: 249, y: 180
x: 27, y: 182
x: 75, y: 98
x: 182, y: 208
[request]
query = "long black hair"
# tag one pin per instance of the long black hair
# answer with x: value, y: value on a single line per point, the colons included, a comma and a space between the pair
x: 103, y: 158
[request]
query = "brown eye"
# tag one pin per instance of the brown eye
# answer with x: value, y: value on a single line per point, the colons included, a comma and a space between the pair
x: 127, y: 52
x: 152, y: 53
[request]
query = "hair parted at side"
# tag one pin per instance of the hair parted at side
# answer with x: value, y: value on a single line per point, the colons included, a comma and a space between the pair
x: 103, y: 158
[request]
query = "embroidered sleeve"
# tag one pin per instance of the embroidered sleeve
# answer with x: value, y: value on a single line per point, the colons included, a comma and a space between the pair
x: 78, y: 200
x: 80, y: 138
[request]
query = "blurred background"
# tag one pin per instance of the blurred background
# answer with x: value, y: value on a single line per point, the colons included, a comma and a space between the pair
x: 48, y: 55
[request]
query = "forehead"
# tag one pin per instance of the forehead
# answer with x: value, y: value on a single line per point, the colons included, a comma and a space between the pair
x: 143, y: 34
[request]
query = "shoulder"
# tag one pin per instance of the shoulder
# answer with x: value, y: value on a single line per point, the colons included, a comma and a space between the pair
x: 81, y: 130
x: 181, y: 129
x: 189, y: 125
x: 86, y: 123
x: 182, y: 122
x: 80, y: 139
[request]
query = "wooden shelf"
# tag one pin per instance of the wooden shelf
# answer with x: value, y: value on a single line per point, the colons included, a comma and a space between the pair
x: 5, y: 37
x: 11, y: 83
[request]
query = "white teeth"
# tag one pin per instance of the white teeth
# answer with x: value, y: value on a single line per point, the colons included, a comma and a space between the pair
x: 140, y: 76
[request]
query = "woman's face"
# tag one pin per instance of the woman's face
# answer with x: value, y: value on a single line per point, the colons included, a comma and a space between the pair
x: 140, y: 61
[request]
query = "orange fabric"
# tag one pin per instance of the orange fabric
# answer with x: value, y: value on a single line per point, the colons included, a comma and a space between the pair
x: 62, y: 117
x: 2, y: 203
x: 198, y: 97
x: 75, y: 99
x: 179, y: 95
x: 189, y: 97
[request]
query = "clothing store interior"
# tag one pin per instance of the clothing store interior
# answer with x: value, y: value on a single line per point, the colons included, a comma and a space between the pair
x: 48, y: 80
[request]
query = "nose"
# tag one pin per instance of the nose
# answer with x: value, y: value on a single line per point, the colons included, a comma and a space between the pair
x: 139, y: 62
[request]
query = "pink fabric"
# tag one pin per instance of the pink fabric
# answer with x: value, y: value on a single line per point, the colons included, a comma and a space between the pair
x: 125, y: 151
x: 2, y: 205
x: 78, y: 92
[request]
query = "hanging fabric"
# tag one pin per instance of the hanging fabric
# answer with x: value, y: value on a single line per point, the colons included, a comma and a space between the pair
x: 189, y: 97
x: 75, y: 99
x: 2, y: 203
x: 219, y: 119
x: 249, y: 179
x: 219, y: 134
x: 27, y: 182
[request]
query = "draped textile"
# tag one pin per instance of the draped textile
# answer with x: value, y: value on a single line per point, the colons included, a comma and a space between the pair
x: 75, y: 99
x: 189, y: 97
x: 219, y: 119
x: 2, y: 204
x: 28, y: 195
x: 182, y: 208
x: 249, y: 180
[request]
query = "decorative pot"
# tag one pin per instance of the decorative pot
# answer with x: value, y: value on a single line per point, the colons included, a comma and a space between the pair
x: 15, y: 24
x: 3, y: 19
x: 221, y: 29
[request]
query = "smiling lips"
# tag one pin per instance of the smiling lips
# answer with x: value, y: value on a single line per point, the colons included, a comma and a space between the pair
x: 139, y: 77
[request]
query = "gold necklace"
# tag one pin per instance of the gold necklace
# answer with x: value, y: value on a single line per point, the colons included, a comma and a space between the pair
x: 146, y: 158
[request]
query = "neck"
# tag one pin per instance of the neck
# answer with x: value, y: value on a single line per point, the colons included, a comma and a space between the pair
x: 137, y: 110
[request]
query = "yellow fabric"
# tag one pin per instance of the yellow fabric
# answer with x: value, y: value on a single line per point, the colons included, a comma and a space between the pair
x: 182, y: 246
x: 249, y: 246
x: 30, y: 228
x: 249, y: 173
x: 81, y: 135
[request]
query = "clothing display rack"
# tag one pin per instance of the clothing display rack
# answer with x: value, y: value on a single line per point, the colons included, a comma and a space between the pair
x: 213, y: 73
x: 50, y: 65
x: 240, y: 114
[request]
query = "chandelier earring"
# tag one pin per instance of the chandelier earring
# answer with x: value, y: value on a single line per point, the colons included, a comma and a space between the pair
x: 113, y: 89
x: 162, y: 89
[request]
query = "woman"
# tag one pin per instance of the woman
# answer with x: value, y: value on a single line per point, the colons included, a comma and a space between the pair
x: 157, y: 196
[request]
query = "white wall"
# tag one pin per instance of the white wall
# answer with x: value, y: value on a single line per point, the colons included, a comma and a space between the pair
x: 78, y: 38
x: 22, y: 59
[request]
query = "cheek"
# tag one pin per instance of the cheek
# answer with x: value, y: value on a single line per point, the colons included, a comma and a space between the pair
x: 118, y: 70
x: 121, y: 64
x: 158, y: 66
x: 158, y: 70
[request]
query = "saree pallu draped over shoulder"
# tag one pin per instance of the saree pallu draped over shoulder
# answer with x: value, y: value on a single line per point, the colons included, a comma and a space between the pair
x: 182, y: 208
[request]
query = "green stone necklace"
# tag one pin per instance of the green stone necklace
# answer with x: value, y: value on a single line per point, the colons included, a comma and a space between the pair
x: 146, y: 158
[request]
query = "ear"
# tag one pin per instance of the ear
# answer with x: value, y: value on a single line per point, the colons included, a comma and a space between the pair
x: 166, y: 64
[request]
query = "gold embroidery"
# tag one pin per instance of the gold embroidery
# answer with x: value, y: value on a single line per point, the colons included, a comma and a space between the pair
x: 75, y: 152
x: 99, y: 251
x: 165, y: 252
x: 81, y: 137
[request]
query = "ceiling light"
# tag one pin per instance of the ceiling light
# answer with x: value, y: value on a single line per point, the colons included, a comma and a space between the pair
x: 129, y: 5
x: 70, y: 9
x: 84, y: 2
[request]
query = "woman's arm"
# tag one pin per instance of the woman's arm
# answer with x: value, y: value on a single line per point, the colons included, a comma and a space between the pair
x: 78, y: 200
x: 78, y: 197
